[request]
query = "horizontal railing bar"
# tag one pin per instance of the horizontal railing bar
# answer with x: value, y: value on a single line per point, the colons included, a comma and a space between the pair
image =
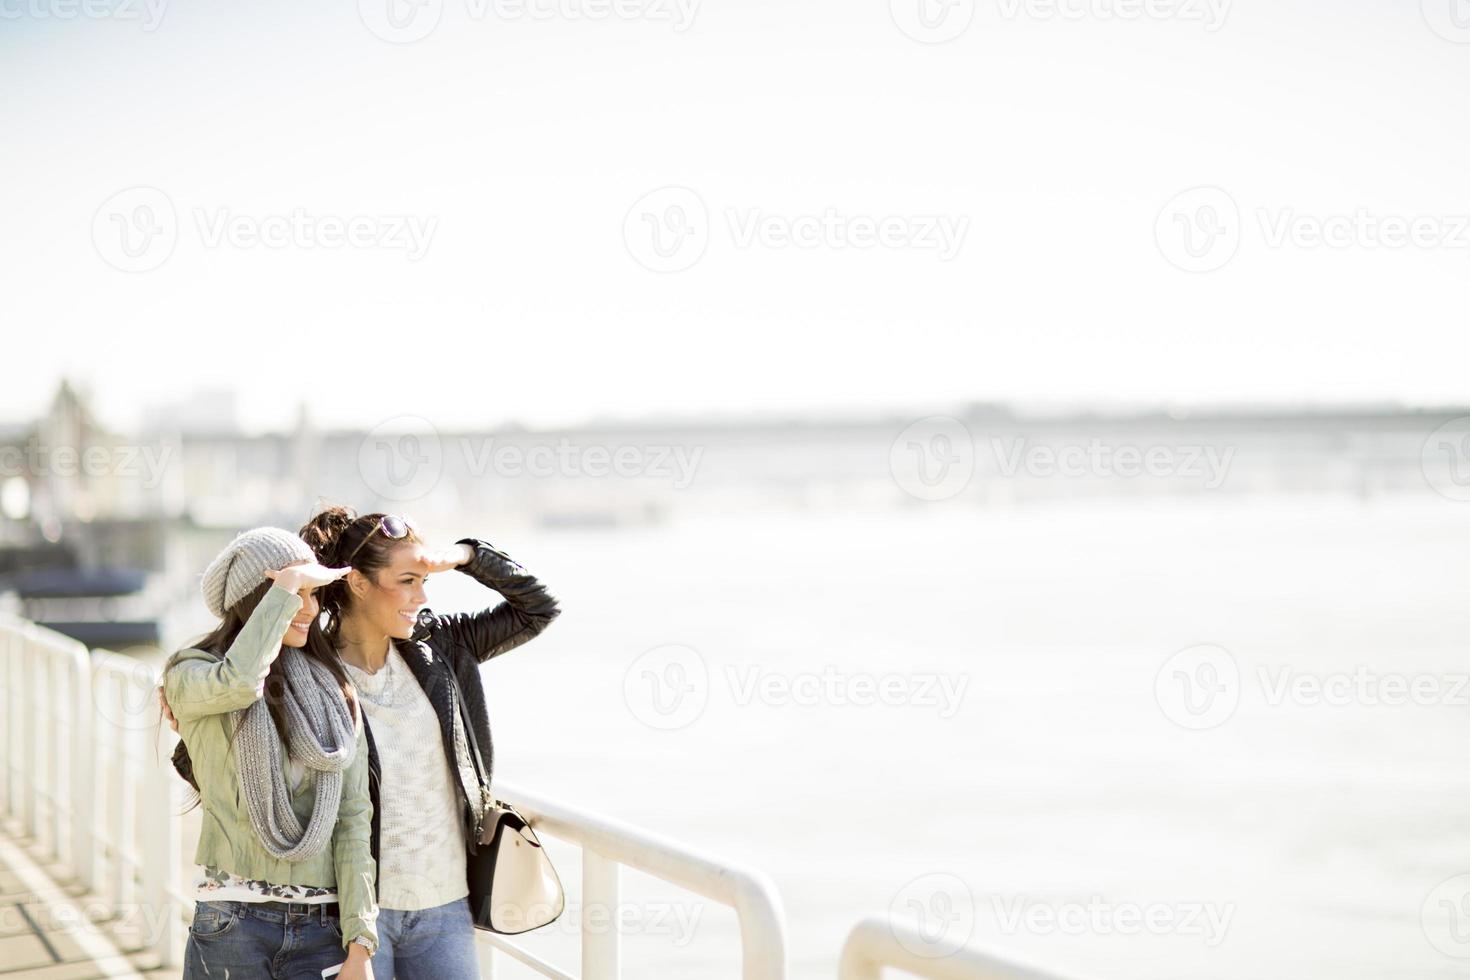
x: 525, y: 956
x: 876, y: 943
x: 634, y: 848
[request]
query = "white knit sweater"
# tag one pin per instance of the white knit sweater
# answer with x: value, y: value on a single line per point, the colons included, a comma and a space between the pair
x: 421, y: 857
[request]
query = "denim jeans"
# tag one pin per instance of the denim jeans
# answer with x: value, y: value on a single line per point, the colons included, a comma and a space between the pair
x: 429, y: 944
x: 247, y: 941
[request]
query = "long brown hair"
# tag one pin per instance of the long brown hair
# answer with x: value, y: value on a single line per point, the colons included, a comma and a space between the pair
x: 337, y: 533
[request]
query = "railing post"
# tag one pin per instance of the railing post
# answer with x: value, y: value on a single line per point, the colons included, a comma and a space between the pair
x: 486, y: 954
x: 85, y: 808
x: 57, y: 707
x: 601, y: 956
x: 100, y: 777
x: 32, y: 741
x: 10, y: 671
x: 124, y: 813
x: 160, y: 857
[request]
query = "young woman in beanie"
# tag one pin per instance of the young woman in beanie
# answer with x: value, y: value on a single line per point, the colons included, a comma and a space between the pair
x: 279, y: 754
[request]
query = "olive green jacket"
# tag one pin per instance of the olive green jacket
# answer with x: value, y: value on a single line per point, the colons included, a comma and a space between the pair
x: 202, y: 690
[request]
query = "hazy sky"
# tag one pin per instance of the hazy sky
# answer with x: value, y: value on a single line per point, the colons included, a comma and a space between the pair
x: 995, y: 216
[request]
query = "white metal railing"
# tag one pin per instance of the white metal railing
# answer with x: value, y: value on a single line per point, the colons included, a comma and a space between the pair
x: 607, y: 846
x: 86, y: 779
x: 85, y: 776
x: 877, y: 943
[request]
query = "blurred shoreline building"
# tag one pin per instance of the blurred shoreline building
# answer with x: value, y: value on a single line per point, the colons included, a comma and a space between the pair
x: 109, y: 529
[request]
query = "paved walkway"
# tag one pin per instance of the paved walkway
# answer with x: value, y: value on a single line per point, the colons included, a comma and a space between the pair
x: 51, y: 929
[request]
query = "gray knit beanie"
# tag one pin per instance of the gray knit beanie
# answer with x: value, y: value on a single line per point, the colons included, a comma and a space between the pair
x: 243, y: 564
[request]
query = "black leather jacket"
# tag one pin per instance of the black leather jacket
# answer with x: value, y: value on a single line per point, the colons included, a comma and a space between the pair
x: 460, y: 642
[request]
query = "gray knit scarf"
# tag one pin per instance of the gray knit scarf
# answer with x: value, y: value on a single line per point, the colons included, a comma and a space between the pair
x: 323, y: 739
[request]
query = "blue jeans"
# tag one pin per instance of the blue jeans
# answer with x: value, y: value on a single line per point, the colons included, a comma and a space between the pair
x: 247, y: 941
x: 430, y: 944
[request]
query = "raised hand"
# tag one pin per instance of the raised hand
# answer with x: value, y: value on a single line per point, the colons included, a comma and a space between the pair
x: 307, y: 575
x: 444, y: 559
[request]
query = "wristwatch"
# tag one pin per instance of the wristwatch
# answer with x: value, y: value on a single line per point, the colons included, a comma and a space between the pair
x: 366, y: 943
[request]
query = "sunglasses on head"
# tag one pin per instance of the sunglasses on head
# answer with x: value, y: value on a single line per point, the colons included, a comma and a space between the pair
x: 394, y: 528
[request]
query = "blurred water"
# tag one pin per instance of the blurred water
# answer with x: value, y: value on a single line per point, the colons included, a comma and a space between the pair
x: 1316, y: 830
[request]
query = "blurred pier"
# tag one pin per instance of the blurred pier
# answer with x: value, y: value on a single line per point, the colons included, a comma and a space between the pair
x: 53, y: 928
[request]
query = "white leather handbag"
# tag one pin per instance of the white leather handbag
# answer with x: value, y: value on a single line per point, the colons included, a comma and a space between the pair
x: 513, y: 886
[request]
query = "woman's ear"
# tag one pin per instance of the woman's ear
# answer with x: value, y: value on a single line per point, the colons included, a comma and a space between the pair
x: 357, y: 583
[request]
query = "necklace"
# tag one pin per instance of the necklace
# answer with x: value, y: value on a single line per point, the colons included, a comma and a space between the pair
x: 376, y: 688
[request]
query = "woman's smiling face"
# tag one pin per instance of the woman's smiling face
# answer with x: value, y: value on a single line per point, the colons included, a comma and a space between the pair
x: 300, y: 625
x: 389, y: 600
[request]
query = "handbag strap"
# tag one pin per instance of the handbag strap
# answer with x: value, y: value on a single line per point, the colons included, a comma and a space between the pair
x: 486, y: 799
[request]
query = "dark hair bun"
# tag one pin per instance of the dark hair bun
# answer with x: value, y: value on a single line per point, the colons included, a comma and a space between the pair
x: 324, y: 531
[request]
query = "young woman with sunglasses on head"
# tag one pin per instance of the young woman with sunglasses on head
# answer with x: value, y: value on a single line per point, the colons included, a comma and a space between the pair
x: 429, y: 794
x: 410, y: 667
x: 279, y: 754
